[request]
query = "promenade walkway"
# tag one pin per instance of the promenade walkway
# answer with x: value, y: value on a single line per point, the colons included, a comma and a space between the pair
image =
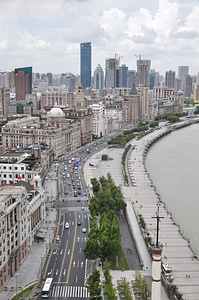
x: 143, y: 197
x: 114, y: 167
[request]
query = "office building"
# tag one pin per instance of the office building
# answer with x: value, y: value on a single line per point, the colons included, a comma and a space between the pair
x: 112, y: 72
x: 23, y: 82
x: 188, y: 87
x: 170, y: 79
x: 143, y: 72
x: 123, y: 74
x: 98, y: 78
x: 4, y: 101
x: 85, y: 64
x: 183, y: 71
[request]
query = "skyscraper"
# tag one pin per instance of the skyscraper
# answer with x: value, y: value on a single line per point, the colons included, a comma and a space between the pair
x: 170, y: 79
x: 112, y: 72
x: 99, y: 78
x: 123, y: 71
x: 188, y: 87
x: 85, y: 64
x: 23, y: 82
x: 183, y: 71
x: 143, y: 72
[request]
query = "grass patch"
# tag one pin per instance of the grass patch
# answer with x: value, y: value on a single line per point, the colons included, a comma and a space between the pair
x: 120, y: 263
x: 24, y: 293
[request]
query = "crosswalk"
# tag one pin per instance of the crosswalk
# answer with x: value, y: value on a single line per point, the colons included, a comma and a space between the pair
x: 72, y: 208
x: 61, y: 291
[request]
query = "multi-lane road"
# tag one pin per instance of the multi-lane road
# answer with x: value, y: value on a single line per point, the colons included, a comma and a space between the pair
x: 67, y: 265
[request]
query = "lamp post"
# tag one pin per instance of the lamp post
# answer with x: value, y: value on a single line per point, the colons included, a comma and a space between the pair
x: 16, y: 275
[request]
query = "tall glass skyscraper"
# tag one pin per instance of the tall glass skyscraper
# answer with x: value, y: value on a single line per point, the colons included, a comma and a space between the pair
x: 85, y: 64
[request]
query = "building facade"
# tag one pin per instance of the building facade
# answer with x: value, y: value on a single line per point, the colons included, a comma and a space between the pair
x: 183, y: 71
x: 23, y: 82
x: 188, y: 87
x: 85, y: 64
x: 4, y: 101
x: 60, y: 135
x: 170, y: 79
x: 143, y: 72
x: 22, y: 212
x: 98, y: 78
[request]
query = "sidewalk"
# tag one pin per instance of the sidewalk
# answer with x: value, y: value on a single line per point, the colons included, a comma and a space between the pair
x: 30, y: 270
x: 114, y: 168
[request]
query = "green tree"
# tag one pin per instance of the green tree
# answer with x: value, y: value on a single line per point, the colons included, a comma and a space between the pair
x: 94, y: 285
x: 125, y: 289
x: 95, y: 184
x: 111, y: 291
x: 94, y: 206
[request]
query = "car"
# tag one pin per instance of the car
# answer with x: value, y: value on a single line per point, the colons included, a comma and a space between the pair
x: 57, y: 238
x: 75, y: 195
x: 78, y: 200
x: 79, y: 223
x: 85, y: 194
x: 84, y: 230
x: 83, y: 208
x: 67, y: 225
x: 66, y: 192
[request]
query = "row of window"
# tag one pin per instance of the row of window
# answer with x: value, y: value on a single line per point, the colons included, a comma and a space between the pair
x: 19, y: 168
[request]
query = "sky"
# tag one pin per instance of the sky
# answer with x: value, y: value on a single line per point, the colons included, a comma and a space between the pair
x: 46, y: 34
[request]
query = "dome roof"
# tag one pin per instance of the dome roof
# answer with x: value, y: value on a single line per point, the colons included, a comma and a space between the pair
x: 37, y: 178
x: 56, y: 112
x: 133, y: 90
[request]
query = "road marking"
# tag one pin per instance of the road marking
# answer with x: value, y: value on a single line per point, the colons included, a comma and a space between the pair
x: 62, y: 291
x: 64, y: 273
x: 50, y: 272
x: 73, y: 247
x: 68, y: 251
x: 56, y: 272
x: 61, y: 251
x: 82, y: 264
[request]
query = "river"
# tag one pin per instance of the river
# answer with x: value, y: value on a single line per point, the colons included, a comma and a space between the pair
x: 173, y: 165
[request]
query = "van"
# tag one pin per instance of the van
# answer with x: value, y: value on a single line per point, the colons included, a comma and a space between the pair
x: 167, y: 271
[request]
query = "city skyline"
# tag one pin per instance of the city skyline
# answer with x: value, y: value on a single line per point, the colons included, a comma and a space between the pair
x: 48, y: 37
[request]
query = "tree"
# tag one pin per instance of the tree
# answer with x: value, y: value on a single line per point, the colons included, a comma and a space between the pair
x: 109, y: 288
x: 125, y: 289
x: 94, y: 285
x: 92, y: 249
x: 95, y: 184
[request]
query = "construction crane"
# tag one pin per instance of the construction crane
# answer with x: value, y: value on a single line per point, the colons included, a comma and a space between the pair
x: 139, y: 56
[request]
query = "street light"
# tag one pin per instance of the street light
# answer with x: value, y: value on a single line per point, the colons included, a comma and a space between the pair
x: 16, y: 275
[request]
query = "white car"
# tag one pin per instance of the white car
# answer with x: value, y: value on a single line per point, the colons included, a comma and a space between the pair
x: 84, y: 230
x: 67, y: 225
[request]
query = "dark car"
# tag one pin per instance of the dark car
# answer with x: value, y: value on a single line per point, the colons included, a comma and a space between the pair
x: 78, y: 223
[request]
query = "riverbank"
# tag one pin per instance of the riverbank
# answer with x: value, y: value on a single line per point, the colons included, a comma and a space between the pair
x: 144, y: 198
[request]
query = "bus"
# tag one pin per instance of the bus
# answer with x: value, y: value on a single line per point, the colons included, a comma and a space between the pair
x: 46, y: 288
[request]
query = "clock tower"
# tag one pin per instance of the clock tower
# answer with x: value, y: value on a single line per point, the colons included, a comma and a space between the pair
x: 79, y: 99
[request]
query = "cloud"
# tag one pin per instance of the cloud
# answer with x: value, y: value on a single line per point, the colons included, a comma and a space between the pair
x: 47, y: 34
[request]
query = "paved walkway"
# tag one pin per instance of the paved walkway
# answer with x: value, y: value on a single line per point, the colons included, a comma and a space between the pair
x: 114, y: 167
x: 143, y: 197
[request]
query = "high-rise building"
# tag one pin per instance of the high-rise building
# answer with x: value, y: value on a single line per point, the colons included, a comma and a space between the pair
x: 143, y: 72
x: 4, y: 100
x: 188, y: 87
x: 123, y: 74
x: 183, y: 71
x: 112, y: 72
x: 85, y: 64
x: 170, y: 79
x: 99, y: 78
x: 23, y: 82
